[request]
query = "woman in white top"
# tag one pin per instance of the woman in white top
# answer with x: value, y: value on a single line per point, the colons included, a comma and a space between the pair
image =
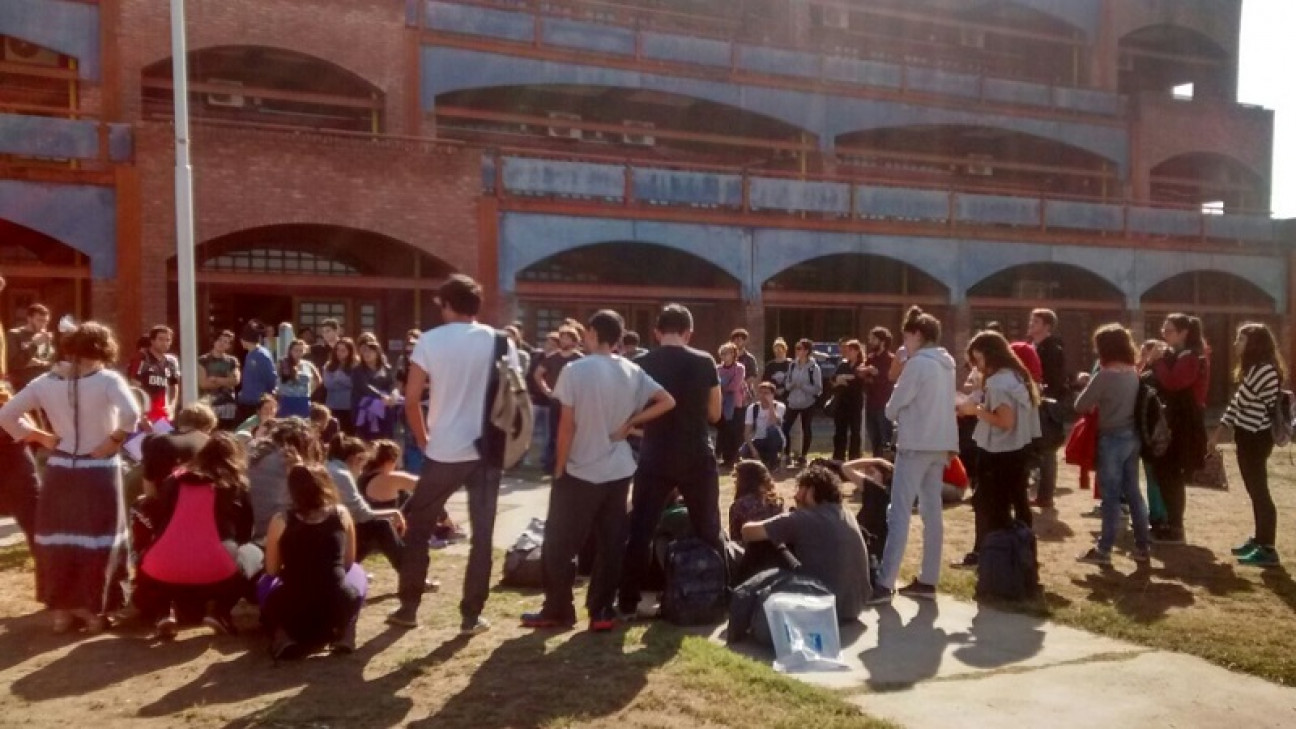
x: 80, y: 541
x: 1005, y: 404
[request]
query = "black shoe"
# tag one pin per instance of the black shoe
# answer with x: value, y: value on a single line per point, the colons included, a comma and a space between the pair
x: 1168, y: 536
x: 476, y: 626
x: 969, y: 562
x: 283, y: 648
x: 918, y: 591
x: 346, y: 642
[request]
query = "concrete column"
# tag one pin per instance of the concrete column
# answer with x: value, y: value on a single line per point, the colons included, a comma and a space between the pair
x: 1137, y: 325
x: 957, y: 334
x: 754, y: 322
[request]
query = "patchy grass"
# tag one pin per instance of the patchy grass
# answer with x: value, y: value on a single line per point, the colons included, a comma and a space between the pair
x: 644, y: 675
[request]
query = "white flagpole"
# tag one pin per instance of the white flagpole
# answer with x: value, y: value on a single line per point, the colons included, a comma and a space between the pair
x: 184, y: 209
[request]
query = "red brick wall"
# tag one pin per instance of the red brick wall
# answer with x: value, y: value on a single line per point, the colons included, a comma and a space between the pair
x: 423, y: 195
x: 366, y: 37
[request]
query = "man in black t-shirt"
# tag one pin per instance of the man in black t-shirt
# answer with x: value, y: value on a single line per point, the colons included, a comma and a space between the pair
x: 330, y: 331
x: 676, y: 452
x: 157, y: 373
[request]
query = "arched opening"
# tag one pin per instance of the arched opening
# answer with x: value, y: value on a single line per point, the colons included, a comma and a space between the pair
x: 627, y: 122
x: 254, y: 84
x: 841, y: 295
x: 1216, y: 183
x: 36, y: 80
x: 1224, y: 302
x: 1174, y: 61
x: 1083, y: 300
x: 635, y: 279
x: 968, y: 157
x: 304, y: 274
x: 39, y: 269
x: 1001, y: 39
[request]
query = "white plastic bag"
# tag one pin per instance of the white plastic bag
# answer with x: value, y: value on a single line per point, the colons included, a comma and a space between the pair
x: 804, y: 630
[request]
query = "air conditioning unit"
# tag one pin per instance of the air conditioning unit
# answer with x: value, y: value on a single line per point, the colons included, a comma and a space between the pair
x: 641, y: 139
x: 565, y: 132
x: 1032, y: 290
x: 835, y: 17
x: 972, y: 38
x: 17, y: 50
x: 226, y: 100
x: 980, y: 165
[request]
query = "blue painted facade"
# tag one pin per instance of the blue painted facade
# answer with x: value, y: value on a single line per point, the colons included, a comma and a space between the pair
x: 53, y: 138
x: 71, y: 28
x: 754, y: 255
x: 46, y: 208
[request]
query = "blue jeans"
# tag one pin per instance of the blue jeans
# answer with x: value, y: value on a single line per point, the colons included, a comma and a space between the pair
x: 539, y: 433
x: 1118, y: 459
x: 767, y: 447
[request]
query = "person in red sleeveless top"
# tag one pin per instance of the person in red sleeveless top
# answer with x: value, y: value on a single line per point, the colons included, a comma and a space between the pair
x: 203, y: 516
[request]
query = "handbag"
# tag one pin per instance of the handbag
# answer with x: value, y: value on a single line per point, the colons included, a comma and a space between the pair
x: 1212, y: 474
x: 1082, y: 445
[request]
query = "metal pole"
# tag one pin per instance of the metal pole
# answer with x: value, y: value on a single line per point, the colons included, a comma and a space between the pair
x: 184, y: 210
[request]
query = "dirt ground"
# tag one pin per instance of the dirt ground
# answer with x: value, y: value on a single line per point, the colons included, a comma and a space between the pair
x: 1192, y: 599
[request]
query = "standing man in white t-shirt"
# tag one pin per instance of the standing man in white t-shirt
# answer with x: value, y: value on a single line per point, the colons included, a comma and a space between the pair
x: 455, y: 362
x: 604, y: 397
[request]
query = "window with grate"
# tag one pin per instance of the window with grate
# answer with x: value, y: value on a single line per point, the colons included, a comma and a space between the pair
x: 312, y: 313
x: 278, y: 260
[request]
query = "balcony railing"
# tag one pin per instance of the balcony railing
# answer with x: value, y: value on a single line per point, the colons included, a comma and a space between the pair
x: 536, y: 25
x: 60, y: 139
x: 616, y: 182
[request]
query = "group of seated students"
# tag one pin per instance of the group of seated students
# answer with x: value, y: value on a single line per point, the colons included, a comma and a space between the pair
x: 221, y: 517
x: 825, y: 539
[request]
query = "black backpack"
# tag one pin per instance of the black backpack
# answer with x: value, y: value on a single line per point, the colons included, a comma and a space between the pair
x: 747, y: 611
x: 1008, y: 566
x: 1150, y: 416
x: 697, y: 584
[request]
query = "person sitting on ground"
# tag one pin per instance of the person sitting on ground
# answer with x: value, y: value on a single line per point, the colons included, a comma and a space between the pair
x: 763, y: 433
x: 313, y: 589
x: 291, y: 441
x: 323, y: 423
x: 825, y: 539
x: 755, y: 497
x: 164, y: 453
x: 385, y: 487
x: 203, y: 516
x: 260, y: 423
x: 376, y: 529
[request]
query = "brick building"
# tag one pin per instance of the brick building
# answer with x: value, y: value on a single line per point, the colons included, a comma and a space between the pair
x: 798, y: 167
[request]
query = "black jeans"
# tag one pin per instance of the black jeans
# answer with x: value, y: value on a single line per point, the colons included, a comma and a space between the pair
x: 880, y: 429
x: 155, y: 598
x: 1002, y: 489
x: 1172, y: 480
x: 847, y: 443
x: 1253, y: 451
x: 577, y: 509
x: 729, y: 436
x: 379, y: 535
x: 422, y: 512
x: 806, y: 417
x: 19, y: 486
x: 699, y: 484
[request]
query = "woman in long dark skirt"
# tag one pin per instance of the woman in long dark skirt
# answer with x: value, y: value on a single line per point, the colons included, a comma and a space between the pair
x: 80, y: 540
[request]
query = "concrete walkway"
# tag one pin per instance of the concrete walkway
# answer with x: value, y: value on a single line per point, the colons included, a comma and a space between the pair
x: 955, y: 664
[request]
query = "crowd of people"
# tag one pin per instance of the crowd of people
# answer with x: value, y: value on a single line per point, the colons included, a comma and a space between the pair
x: 290, y: 470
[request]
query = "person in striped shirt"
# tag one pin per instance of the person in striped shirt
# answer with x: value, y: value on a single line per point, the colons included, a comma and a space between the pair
x: 1250, y: 414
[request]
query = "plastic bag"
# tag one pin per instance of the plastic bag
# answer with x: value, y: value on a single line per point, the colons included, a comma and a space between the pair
x: 804, y: 630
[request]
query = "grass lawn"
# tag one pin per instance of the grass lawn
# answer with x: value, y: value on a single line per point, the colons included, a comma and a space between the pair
x: 1192, y: 599
x: 645, y: 675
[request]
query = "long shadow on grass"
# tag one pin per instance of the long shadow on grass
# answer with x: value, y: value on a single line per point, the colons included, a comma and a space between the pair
x: 1197, y: 566
x: 26, y: 637
x: 1135, y: 595
x: 99, y: 664
x: 1279, y: 581
x: 331, y: 687
x: 586, y: 677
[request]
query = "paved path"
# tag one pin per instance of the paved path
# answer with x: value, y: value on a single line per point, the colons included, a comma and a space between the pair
x: 954, y: 664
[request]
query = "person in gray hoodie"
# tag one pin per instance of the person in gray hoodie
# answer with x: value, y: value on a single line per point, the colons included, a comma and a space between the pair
x: 1005, y: 403
x: 927, y: 440
x: 804, y: 384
